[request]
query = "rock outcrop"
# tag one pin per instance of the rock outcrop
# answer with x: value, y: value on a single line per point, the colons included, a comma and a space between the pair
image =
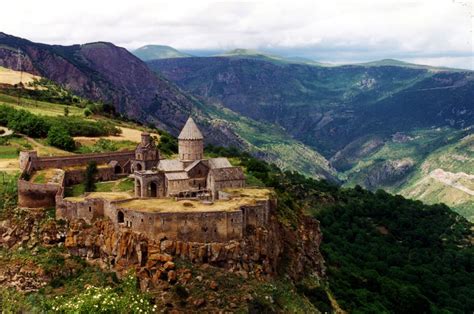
x: 262, y: 253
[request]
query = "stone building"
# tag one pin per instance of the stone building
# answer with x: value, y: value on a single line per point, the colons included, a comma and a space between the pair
x: 187, y: 198
x: 189, y: 176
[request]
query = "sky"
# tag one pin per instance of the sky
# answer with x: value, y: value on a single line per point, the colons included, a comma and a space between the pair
x: 433, y: 32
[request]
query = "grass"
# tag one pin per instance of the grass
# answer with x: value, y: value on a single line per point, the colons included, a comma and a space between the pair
x: 102, y: 145
x: 74, y: 190
x: 245, y: 197
x: 8, y: 152
x: 47, y: 176
x: 12, y: 77
x: 123, y: 185
x: 113, y: 196
x: 39, y: 107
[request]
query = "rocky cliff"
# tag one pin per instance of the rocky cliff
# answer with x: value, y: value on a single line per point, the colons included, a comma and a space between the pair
x: 262, y: 253
x: 265, y: 254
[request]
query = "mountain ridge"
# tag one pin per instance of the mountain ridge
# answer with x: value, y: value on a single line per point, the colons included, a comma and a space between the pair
x: 152, y: 52
x: 104, y: 72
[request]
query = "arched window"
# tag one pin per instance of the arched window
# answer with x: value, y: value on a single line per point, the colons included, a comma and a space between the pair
x: 120, y: 217
x: 118, y: 169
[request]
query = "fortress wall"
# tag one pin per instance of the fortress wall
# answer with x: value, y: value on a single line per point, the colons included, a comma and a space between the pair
x: 204, y: 227
x: 76, y: 176
x: 216, y: 186
x: 36, y: 195
x: 88, y: 209
x: 256, y: 215
x: 83, y: 159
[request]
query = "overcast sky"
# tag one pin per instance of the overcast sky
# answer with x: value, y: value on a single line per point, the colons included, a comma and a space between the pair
x: 436, y: 32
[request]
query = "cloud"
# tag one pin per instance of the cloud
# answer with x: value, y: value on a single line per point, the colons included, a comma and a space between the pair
x: 347, y: 29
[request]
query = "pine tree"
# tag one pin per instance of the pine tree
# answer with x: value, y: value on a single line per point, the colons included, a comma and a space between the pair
x: 89, y: 180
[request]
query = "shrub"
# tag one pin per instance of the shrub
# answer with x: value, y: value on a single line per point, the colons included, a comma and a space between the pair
x: 87, y: 112
x: 168, y: 144
x: 22, y: 121
x: 89, y: 180
x: 59, y: 137
x: 124, y: 299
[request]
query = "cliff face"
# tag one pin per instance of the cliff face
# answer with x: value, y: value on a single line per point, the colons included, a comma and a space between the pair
x: 264, y: 252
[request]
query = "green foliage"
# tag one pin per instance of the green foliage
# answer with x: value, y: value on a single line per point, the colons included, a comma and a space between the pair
x: 12, y: 301
x: 124, y: 299
x: 77, y: 126
x: 8, y: 152
x: 384, y: 253
x: 389, y: 254
x: 168, y: 145
x: 87, y: 112
x: 59, y: 137
x: 105, y: 145
x: 22, y: 121
x: 8, y: 192
x: 89, y: 179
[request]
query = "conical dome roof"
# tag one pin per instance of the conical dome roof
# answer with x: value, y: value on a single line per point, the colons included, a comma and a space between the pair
x: 190, y: 131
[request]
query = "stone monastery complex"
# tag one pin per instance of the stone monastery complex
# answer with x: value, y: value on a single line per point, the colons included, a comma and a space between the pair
x: 190, y: 198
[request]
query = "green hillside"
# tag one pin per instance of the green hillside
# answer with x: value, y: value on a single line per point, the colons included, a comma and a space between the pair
x: 384, y: 254
x: 153, y: 52
x: 377, y: 123
x: 259, y: 55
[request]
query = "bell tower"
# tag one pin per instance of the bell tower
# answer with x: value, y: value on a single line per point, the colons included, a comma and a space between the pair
x: 190, y: 142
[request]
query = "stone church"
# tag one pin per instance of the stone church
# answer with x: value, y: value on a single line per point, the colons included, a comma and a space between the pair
x: 188, y: 176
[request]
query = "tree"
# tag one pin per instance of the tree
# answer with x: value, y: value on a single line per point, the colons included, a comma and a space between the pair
x: 59, y: 137
x: 89, y: 180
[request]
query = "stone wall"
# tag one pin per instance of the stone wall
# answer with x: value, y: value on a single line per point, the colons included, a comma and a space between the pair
x: 173, y: 187
x: 123, y: 159
x: 203, y: 227
x: 190, y: 149
x: 216, y: 186
x: 88, y: 209
x: 76, y: 176
x: 45, y: 195
x: 36, y: 195
x: 265, y: 250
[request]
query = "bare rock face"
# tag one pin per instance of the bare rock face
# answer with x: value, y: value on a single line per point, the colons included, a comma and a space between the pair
x: 388, y: 172
x: 262, y: 253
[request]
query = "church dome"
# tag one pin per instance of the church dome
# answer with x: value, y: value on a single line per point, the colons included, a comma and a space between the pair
x: 190, y: 131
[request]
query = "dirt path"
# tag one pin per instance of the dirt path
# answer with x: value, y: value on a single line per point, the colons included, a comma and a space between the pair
x: 128, y: 134
x: 452, y: 179
x: 7, y: 131
x: 9, y: 165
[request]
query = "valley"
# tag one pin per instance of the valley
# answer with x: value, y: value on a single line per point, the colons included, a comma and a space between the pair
x: 353, y: 220
x: 380, y: 124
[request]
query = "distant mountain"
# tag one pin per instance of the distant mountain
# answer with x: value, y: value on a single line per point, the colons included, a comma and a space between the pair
x: 376, y: 123
x: 398, y: 63
x: 328, y: 107
x: 152, y: 52
x: 104, y: 72
x: 258, y: 55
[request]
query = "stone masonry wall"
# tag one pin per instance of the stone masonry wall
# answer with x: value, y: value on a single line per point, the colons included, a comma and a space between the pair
x: 36, y: 195
x: 203, y: 227
x: 264, y: 250
x: 83, y: 159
